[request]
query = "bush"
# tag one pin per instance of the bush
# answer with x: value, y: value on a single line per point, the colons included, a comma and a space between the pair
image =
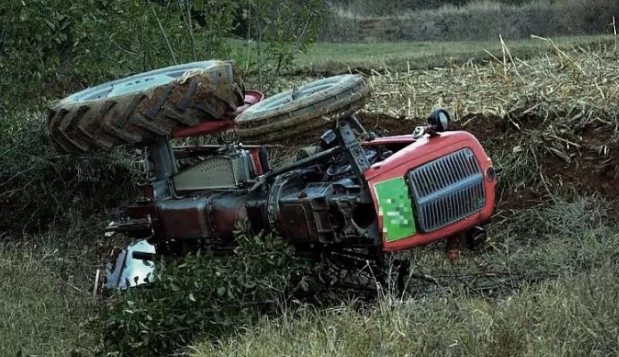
x: 54, y: 45
x: 51, y: 47
x: 280, y: 29
x: 40, y: 187
x: 204, y: 296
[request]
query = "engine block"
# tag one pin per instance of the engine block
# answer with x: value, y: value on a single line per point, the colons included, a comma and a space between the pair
x: 207, y: 216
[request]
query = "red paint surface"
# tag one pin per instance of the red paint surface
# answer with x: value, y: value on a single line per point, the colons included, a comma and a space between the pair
x: 215, y: 127
x: 417, y: 153
x: 255, y: 156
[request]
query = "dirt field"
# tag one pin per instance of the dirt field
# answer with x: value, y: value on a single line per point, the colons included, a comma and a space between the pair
x: 549, y: 124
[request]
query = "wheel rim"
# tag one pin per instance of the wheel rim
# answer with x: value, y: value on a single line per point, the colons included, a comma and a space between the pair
x: 137, y: 85
x: 140, y: 82
x: 312, y: 89
x: 296, y: 94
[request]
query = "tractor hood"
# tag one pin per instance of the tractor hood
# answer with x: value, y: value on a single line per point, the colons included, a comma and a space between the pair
x: 431, y: 188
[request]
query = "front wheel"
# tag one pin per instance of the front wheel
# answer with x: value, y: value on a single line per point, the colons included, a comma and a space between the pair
x: 299, y: 111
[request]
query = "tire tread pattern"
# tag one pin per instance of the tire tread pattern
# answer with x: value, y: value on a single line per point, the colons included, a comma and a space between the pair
x: 287, y: 124
x: 138, y: 118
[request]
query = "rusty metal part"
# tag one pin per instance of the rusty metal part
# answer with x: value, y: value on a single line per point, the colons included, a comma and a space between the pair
x: 284, y: 184
x: 305, y: 215
x: 455, y: 245
x: 327, y: 212
x: 356, y: 156
x: 208, y: 216
x: 313, y: 203
x: 161, y: 156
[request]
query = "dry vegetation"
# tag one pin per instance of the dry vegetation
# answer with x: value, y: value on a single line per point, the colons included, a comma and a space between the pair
x: 46, y: 303
x: 557, y: 113
x: 545, y: 285
x: 373, y: 21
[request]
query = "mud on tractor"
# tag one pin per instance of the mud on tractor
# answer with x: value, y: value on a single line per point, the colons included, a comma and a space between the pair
x: 356, y: 195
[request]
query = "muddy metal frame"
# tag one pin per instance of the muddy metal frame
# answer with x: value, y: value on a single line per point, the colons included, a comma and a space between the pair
x: 302, y: 213
x: 136, y: 262
x: 161, y: 166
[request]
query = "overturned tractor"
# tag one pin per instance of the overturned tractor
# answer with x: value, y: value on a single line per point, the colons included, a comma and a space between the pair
x: 355, y: 195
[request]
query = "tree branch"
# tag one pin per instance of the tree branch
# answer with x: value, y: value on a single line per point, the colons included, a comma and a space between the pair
x: 165, y: 37
x: 189, y: 23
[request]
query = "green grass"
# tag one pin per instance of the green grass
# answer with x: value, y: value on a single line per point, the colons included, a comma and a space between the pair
x: 44, y: 302
x: 575, y: 317
x: 570, y: 314
x: 402, y: 56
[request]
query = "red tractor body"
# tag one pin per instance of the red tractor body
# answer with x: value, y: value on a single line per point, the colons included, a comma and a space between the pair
x: 446, y: 184
x: 430, y: 187
x: 383, y: 194
x: 354, y: 191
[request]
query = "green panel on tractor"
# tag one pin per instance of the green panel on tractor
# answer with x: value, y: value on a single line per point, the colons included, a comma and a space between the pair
x: 394, y: 205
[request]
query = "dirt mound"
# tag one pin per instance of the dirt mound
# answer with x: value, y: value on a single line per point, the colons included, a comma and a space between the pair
x: 584, y: 159
x: 387, y: 125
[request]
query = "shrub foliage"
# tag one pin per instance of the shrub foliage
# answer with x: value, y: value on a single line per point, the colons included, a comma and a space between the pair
x: 41, y: 189
x: 50, y: 47
x: 205, y: 296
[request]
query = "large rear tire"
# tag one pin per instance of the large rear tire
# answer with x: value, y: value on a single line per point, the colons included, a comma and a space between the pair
x: 302, y: 110
x: 137, y: 109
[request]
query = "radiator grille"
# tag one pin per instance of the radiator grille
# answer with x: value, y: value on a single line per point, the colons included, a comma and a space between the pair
x: 447, y: 190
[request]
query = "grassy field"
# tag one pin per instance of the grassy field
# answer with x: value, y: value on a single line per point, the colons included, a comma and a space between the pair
x: 47, y: 283
x: 560, y: 318
x: 545, y: 285
x: 333, y: 58
x: 542, y: 289
x: 44, y: 306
